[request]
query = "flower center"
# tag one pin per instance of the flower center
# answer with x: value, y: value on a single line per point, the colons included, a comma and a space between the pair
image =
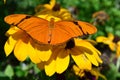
x: 70, y: 44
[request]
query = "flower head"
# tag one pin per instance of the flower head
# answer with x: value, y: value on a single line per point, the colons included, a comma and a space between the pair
x: 107, y: 40
x: 24, y: 46
x: 53, y: 10
x: 81, y: 51
x: 84, y: 73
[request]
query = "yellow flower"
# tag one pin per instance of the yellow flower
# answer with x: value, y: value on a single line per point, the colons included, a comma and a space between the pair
x: 107, y: 40
x: 81, y: 51
x: 78, y: 71
x: 24, y: 46
x: 53, y: 10
x: 97, y: 74
x: 118, y: 49
x: 82, y: 72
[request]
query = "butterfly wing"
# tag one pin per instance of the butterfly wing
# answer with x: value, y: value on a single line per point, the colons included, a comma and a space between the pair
x: 14, y: 19
x: 65, y: 30
x: 36, y: 28
x: 39, y: 29
x: 86, y: 28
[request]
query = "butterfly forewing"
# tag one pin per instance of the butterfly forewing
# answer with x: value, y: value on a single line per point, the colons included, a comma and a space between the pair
x: 86, y: 28
x: 14, y: 19
x: 63, y: 31
x: 36, y: 28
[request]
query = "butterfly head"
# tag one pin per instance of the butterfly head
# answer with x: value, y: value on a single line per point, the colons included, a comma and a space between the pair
x: 51, y: 23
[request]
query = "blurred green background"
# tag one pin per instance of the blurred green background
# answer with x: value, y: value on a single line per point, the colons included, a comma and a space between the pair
x: 12, y: 69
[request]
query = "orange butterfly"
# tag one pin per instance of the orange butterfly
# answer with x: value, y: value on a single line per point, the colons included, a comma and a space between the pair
x: 49, y: 32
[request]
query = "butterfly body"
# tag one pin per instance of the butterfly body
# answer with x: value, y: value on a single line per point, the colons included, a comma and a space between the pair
x: 49, y: 32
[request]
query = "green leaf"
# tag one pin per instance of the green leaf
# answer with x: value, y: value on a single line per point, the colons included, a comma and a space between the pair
x: 113, y: 73
x: 19, y: 72
x: 109, y: 29
x: 37, y: 70
x: 9, y: 71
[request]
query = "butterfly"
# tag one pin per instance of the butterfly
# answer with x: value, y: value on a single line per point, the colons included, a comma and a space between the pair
x: 49, y: 32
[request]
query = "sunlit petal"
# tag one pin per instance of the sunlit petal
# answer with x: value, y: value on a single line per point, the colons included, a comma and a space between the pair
x: 80, y: 59
x: 90, y: 51
x: 110, y: 36
x: 107, y: 40
x: 50, y: 6
x: 112, y: 46
x: 50, y: 66
x: 101, y: 39
x: 9, y: 45
x: 12, y: 30
x: 65, y: 14
x: 62, y: 61
x: 96, y: 54
x: 84, y: 43
x: 20, y: 50
x: 92, y: 58
x: 32, y: 54
x: 78, y: 71
x: 43, y: 52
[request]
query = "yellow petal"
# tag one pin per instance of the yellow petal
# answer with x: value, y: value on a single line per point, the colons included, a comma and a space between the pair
x: 43, y: 52
x: 85, y: 44
x: 78, y: 71
x: 80, y: 59
x: 20, y: 50
x: 95, y: 53
x: 101, y: 39
x: 90, y: 49
x: 110, y: 36
x: 112, y: 46
x: 48, y: 17
x: 32, y: 54
x: 15, y: 36
x: 9, y: 45
x: 65, y: 14
x: 50, y: 68
x: 105, y: 40
x: 62, y: 61
x: 91, y: 58
x: 12, y: 30
x: 51, y: 5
